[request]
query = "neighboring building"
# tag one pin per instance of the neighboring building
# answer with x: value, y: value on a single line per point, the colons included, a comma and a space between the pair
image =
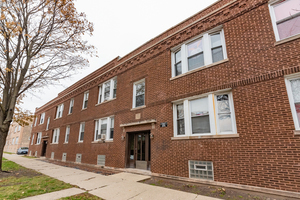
x: 215, y: 97
x: 17, y: 137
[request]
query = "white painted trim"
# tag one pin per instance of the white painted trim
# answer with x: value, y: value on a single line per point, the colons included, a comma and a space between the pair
x: 56, y: 132
x: 79, y: 141
x: 67, y: 133
x: 71, y: 105
x: 134, y: 93
x: 85, y: 97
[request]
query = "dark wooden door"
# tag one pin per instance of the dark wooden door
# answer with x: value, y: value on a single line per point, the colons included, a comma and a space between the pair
x: 44, y: 148
x: 139, y: 150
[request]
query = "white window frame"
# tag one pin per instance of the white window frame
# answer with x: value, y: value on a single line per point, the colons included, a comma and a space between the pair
x: 134, y: 93
x: 291, y: 98
x: 67, y: 135
x: 17, y: 140
x: 85, y: 98
x: 13, y: 141
x: 108, y: 127
x: 42, y: 119
x: 206, y: 41
x: 56, y: 132
x: 111, y: 90
x: 19, y: 128
x: 39, y: 138
x: 48, y: 123
x: 82, y: 124
x: 213, y: 114
x: 35, y: 121
x: 16, y: 128
x: 59, y: 111
x: 273, y: 19
x: 32, y: 140
x: 71, y: 106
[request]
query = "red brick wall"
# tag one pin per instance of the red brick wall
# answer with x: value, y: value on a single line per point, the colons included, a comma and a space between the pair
x: 266, y: 152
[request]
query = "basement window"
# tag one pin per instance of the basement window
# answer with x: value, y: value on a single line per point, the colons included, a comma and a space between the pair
x: 201, y: 170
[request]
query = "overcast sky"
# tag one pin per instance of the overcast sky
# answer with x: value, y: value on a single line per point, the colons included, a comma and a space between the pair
x: 119, y: 28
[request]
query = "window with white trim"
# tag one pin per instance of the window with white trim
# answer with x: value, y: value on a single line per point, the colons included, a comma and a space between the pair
x: 32, y: 140
x: 55, y: 137
x: 201, y: 51
x: 285, y: 15
x: 19, y: 128
x: 17, y: 140
x: 85, y: 100
x: 38, y: 139
x: 139, y: 93
x: 208, y: 114
x: 67, y: 134
x: 293, y: 88
x: 13, y: 141
x: 48, y: 122
x: 16, y: 128
x: 71, y: 106
x: 42, y: 118
x: 107, y: 90
x: 35, y: 121
x: 81, y: 132
x: 105, y: 127
x: 59, y: 110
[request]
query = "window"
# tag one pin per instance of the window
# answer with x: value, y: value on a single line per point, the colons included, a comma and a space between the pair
x: 293, y: 88
x: 55, y: 137
x: 85, y: 100
x: 19, y: 128
x: 67, y: 134
x: 16, y: 128
x: 107, y: 90
x: 38, y: 139
x: 32, y: 139
x: 139, y: 93
x: 13, y: 141
x: 42, y: 118
x: 17, y: 140
x: 208, y: 114
x: 81, y: 132
x: 104, y: 127
x: 59, y: 110
x: 48, y: 122
x: 285, y: 15
x: 206, y: 49
x: 71, y: 106
x: 35, y: 121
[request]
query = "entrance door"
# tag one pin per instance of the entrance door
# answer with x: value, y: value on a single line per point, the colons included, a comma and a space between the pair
x: 44, y: 148
x: 139, y: 150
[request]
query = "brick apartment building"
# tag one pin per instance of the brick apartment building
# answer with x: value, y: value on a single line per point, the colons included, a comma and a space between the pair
x: 216, y: 97
x: 18, y: 136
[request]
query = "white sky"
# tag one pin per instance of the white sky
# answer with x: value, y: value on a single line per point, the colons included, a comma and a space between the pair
x: 119, y: 28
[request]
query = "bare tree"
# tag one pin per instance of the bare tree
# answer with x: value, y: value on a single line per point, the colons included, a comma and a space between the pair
x: 40, y: 43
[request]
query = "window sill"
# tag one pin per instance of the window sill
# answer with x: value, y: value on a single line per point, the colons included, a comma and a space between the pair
x: 57, y: 118
x: 80, y: 142
x: 287, y: 39
x: 297, y: 132
x: 84, y: 109
x: 99, y: 142
x: 105, y: 101
x: 199, y: 69
x: 37, y: 144
x: 69, y: 114
x: 137, y: 108
x: 206, y: 137
x: 53, y: 143
x: 65, y: 143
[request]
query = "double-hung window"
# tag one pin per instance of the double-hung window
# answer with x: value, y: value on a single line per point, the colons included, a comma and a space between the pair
x: 208, y: 114
x: 107, y: 90
x: 32, y: 140
x: 201, y: 51
x: 285, y: 15
x: 38, y: 139
x: 48, y: 122
x: 139, y: 93
x: 104, y: 129
x: 71, y: 106
x: 81, y: 132
x: 67, y: 134
x: 293, y: 88
x: 17, y: 140
x: 42, y: 119
x: 85, y: 100
x: 55, y: 137
x: 34, y: 122
x: 59, y: 110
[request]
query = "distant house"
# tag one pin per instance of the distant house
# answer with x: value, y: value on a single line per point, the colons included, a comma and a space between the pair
x: 17, y: 137
x: 214, y: 98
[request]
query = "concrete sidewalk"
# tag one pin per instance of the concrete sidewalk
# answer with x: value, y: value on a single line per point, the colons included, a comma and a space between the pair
x: 114, y: 187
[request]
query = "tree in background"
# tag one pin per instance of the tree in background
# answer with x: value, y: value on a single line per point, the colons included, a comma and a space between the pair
x: 40, y: 43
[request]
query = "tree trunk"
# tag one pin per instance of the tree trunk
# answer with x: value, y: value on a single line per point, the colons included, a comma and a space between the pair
x: 3, y: 136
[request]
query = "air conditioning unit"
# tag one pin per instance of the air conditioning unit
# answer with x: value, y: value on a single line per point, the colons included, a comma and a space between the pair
x: 103, y: 137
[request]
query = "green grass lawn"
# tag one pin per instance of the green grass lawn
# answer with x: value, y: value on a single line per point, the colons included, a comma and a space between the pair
x: 21, y: 182
x: 82, y: 196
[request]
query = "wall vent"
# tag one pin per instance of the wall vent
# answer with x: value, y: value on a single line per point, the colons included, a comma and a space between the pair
x: 201, y: 169
x: 78, y: 158
x: 64, y: 157
x: 52, y: 155
x: 101, y: 160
